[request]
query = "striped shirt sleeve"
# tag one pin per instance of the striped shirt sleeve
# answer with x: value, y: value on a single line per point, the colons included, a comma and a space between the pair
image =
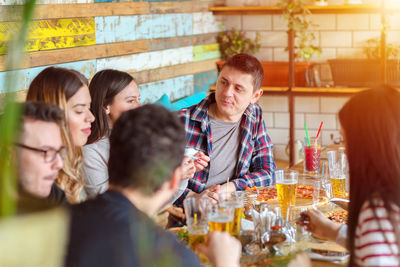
x: 375, y: 240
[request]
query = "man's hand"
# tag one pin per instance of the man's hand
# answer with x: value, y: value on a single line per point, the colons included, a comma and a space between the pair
x: 188, y: 168
x: 301, y: 259
x: 210, y: 193
x: 228, y: 187
x: 221, y: 249
x: 202, y: 161
x: 315, y: 222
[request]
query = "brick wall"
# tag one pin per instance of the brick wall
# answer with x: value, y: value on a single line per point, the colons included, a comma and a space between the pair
x: 339, y: 35
x: 311, y: 110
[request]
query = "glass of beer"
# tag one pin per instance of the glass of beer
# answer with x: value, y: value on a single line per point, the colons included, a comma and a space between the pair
x: 312, y: 156
x: 220, y: 217
x: 196, y: 210
x: 234, y: 200
x: 337, y: 162
x: 286, y: 184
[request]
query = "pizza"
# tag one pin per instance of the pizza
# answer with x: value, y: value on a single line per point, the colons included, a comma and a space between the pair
x: 269, y: 193
x: 339, y: 216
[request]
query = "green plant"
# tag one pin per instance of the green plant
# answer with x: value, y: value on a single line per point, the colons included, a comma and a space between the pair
x: 372, y: 49
x: 233, y: 41
x: 9, y: 121
x: 297, y: 16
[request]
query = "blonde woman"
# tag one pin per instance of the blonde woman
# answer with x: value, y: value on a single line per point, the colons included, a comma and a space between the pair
x: 68, y: 89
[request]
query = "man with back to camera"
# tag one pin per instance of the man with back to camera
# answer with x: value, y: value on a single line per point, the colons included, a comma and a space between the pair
x: 40, y: 153
x: 146, y: 152
x: 229, y: 131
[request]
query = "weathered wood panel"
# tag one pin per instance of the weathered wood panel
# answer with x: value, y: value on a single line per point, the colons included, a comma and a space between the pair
x: 202, y: 81
x: 43, y: 2
x: 175, y: 88
x: 204, y: 52
x: 150, y: 60
x: 129, y: 28
x: 205, y: 22
x: 51, y: 57
x: 52, y: 34
x: 174, y: 71
x: 87, y: 9
x: 25, y: 76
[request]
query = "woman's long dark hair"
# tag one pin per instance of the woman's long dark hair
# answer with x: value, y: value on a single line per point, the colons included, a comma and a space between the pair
x: 104, y: 86
x: 371, y: 123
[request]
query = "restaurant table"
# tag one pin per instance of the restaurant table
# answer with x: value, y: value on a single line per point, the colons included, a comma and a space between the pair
x: 306, y: 179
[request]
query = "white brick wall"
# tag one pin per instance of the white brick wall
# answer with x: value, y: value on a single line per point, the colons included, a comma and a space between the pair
x: 274, y: 103
x: 336, y: 39
x: 233, y: 21
x: 279, y: 136
x: 313, y: 110
x: 359, y: 38
x: 314, y: 120
x: 340, y: 36
x: 350, y: 52
x: 306, y: 104
x: 352, y: 21
x: 332, y: 104
x: 257, y: 22
x: 269, y: 119
x: 274, y: 39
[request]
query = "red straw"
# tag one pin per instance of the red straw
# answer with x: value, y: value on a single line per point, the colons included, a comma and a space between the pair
x: 316, y: 138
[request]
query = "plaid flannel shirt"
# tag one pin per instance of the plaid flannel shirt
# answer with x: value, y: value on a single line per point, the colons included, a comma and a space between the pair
x: 256, y: 164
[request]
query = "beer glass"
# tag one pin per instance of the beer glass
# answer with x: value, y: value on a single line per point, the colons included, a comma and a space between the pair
x: 286, y: 184
x: 234, y: 200
x: 220, y: 217
x: 196, y: 210
x: 338, y: 171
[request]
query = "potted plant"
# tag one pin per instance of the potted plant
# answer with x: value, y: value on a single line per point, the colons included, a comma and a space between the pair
x: 367, y: 72
x: 277, y: 73
x: 233, y: 41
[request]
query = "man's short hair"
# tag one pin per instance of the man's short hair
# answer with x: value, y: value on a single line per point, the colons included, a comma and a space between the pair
x: 42, y: 111
x: 146, y: 146
x: 247, y: 64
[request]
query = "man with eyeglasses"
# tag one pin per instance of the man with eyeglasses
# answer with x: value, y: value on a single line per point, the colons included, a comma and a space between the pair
x: 40, y: 151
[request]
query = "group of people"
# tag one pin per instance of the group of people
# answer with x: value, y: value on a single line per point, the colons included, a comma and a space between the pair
x: 115, y: 164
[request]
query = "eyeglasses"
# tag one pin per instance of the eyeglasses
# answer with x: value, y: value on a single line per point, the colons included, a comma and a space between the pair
x: 50, y: 154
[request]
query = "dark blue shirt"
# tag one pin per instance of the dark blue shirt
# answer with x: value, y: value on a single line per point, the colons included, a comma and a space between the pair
x: 110, y: 231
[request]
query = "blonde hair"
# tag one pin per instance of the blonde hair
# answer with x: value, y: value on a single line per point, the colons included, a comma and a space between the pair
x: 56, y: 86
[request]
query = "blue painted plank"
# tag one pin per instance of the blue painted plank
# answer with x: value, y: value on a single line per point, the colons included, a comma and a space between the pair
x: 202, y: 81
x: 175, y: 88
x: 129, y: 28
x: 25, y: 76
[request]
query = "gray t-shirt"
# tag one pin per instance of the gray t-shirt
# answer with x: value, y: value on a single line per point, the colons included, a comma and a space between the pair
x: 225, y: 149
x: 95, y: 171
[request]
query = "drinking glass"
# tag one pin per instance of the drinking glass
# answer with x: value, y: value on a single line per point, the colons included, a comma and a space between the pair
x: 338, y: 171
x: 316, y: 191
x: 286, y: 184
x: 312, y: 156
x: 234, y: 200
x: 220, y: 217
x: 196, y: 210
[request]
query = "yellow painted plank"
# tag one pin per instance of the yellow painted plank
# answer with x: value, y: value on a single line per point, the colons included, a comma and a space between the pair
x: 52, y: 34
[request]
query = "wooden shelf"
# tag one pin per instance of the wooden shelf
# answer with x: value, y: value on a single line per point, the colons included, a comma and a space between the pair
x: 342, y: 9
x: 308, y: 90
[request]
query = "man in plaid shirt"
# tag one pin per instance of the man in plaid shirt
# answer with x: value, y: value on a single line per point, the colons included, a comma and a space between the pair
x: 228, y: 130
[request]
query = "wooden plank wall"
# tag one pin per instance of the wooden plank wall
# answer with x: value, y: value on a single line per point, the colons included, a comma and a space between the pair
x: 168, y: 46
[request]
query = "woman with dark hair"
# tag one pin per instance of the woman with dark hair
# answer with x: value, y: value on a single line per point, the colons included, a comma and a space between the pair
x: 371, y: 130
x: 112, y: 92
x: 68, y: 90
